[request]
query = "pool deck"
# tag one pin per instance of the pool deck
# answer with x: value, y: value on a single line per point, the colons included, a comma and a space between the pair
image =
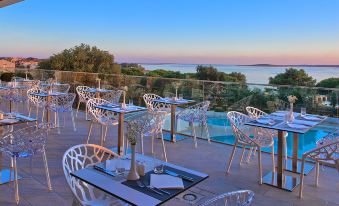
x: 208, y: 158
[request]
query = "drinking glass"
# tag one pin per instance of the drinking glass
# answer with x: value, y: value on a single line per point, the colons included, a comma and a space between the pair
x: 158, y: 165
x: 130, y: 103
x: 120, y: 166
x: 181, y: 96
x: 303, y: 112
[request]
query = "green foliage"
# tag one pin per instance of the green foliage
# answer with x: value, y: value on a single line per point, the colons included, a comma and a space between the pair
x: 132, y: 69
x: 83, y: 58
x: 293, y: 76
x: 166, y: 74
x: 329, y: 83
x: 7, y: 76
x: 212, y: 74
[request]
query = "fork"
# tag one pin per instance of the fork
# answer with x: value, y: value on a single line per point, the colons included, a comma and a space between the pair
x: 142, y: 185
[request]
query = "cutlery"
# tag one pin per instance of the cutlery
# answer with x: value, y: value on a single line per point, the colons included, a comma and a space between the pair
x: 142, y: 185
x: 103, y: 170
x: 161, y: 190
x: 190, y: 179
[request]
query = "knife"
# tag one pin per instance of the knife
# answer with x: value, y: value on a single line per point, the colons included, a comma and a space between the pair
x: 190, y: 179
x: 104, y: 170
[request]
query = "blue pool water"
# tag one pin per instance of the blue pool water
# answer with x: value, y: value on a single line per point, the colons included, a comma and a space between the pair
x: 306, y: 141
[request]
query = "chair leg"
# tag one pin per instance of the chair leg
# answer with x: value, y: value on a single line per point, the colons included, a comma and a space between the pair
x: 89, y: 131
x: 76, y: 114
x: 249, y: 155
x: 163, y: 145
x: 273, y: 160
x: 231, y: 158
x: 74, y: 127
x: 86, y: 110
x: 58, y: 121
x: 49, y: 185
x: 16, y: 184
x: 29, y: 111
x: 260, y: 165
x: 194, y: 136
x: 43, y: 115
x: 105, y: 134
x: 142, y: 143
x: 207, y: 132
x: 316, y: 174
x: 302, y: 177
x: 152, y: 143
x: 242, y: 154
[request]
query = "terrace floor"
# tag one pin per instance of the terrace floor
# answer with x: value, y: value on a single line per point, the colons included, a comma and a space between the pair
x: 209, y: 158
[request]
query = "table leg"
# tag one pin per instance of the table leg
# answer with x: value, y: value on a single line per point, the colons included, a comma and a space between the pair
x: 49, y: 98
x: 280, y: 168
x: 279, y: 179
x: 173, y: 109
x: 294, y: 165
x: 121, y: 134
x: 295, y: 153
x: 10, y: 106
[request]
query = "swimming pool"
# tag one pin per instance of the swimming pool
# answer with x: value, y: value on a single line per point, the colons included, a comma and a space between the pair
x: 306, y: 141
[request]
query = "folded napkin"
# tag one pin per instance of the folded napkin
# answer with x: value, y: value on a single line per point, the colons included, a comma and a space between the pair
x: 303, y: 122
x: 312, y: 118
x: 266, y: 121
x: 112, y: 164
x: 166, y: 182
x: 297, y: 126
x: 279, y: 113
x: 9, y: 121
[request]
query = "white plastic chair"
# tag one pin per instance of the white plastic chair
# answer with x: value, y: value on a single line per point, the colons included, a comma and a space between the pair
x: 326, y: 152
x: 148, y: 124
x: 235, y: 198
x: 84, y: 96
x: 248, y: 136
x: 79, y: 157
x: 104, y: 117
x: 195, y: 114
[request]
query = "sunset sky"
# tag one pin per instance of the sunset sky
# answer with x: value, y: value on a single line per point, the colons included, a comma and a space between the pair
x: 177, y: 31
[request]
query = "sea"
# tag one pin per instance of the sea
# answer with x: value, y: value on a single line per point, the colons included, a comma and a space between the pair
x: 254, y: 74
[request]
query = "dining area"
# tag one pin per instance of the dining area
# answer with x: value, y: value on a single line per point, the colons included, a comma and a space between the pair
x: 114, y: 152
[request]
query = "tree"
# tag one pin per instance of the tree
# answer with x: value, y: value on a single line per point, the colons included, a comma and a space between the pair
x: 212, y: 74
x: 329, y: 83
x: 83, y: 58
x: 293, y: 76
x: 132, y: 69
x: 166, y: 74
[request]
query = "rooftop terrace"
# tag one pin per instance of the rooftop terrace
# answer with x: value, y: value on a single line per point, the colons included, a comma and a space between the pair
x: 209, y: 158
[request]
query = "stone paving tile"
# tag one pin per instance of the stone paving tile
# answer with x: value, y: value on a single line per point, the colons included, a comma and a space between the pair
x: 211, y: 158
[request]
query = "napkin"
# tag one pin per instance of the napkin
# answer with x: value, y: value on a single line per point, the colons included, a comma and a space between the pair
x: 297, y: 126
x: 312, y: 118
x: 112, y: 164
x: 166, y: 182
x: 303, y: 122
x: 9, y: 121
x: 265, y: 121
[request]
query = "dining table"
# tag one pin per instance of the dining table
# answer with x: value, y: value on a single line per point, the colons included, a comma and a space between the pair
x: 141, y: 192
x: 98, y: 91
x: 299, y: 126
x: 121, y: 111
x: 174, y: 102
x: 11, y: 119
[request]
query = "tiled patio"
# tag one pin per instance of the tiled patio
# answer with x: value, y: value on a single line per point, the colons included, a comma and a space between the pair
x: 208, y: 158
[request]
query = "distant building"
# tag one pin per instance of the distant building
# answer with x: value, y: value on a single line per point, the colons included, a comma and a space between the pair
x: 6, y: 64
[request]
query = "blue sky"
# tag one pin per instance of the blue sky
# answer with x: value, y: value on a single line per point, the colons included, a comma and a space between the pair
x: 181, y: 31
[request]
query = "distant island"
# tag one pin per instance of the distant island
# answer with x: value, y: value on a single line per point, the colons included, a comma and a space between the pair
x: 288, y: 65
